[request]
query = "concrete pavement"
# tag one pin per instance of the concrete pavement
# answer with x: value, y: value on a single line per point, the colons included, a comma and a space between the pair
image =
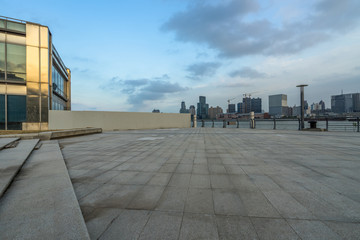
x: 217, y: 184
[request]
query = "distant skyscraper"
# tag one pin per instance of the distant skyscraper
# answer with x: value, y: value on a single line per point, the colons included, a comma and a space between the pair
x: 231, y: 108
x: 202, y: 108
x: 183, y: 108
x: 278, y: 105
x: 240, y: 108
x: 256, y: 105
x: 345, y: 103
x: 156, y: 111
x: 213, y: 112
x: 247, y: 104
x: 192, y: 110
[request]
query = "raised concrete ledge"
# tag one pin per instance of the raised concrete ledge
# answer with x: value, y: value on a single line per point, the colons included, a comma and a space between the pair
x: 41, y: 203
x: 6, y: 141
x: 11, y: 161
x: 55, y: 134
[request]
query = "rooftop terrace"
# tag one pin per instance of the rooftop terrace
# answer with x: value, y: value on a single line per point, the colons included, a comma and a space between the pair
x: 209, y: 183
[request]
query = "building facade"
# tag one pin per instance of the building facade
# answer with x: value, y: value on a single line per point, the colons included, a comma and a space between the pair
x: 202, y: 108
x: 214, y: 112
x: 278, y: 105
x: 231, y: 108
x: 345, y: 103
x: 256, y: 105
x: 183, y: 108
x: 33, y: 78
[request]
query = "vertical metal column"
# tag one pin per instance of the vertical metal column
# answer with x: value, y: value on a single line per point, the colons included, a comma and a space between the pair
x: 358, y: 124
x: 302, y: 125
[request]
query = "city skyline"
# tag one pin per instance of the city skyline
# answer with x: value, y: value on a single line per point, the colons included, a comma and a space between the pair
x: 141, y: 55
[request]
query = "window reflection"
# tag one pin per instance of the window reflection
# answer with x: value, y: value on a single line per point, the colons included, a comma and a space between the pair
x: 2, y: 61
x: 58, y: 82
x: 20, y: 27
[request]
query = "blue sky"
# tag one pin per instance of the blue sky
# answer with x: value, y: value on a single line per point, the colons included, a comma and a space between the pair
x: 143, y: 54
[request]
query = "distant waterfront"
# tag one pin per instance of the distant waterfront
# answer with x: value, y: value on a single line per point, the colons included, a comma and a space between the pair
x: 285, y: 125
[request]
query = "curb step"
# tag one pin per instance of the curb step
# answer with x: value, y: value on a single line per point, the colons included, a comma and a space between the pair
x: 12, y: 145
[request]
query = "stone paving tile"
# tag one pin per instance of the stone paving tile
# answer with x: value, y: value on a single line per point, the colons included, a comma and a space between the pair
x: 312, y: 230
x: 220, y: 183
x: 198, y: 226
x: 227, y: 201
x: 199, y: 200
x: 200, y: 181
x: 99, y: 220
x: 272, y: 228
x: 235, y: 227
x: 128, y: 225
x: 172, y: 199
x: 162, y: 225
x: 146, y: 198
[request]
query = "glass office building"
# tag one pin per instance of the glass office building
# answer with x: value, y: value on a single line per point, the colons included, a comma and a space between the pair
x: 33, y: 78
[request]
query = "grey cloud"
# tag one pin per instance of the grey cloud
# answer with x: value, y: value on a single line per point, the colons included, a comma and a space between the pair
x: 200, y: 70
x: 222, y: 27
x: 140, y: 90
x: 247, y: 72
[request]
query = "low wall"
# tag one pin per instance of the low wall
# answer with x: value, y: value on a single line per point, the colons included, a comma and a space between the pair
x: 117, y: 120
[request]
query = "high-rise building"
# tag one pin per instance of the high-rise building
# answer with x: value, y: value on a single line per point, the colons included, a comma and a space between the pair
x: 214, y: 112
x: 278, y: 105
x: 202, y: 108
x: 231, y: 108
x: 256, y: 105
x: 33, y: 78
x: 345, y: 103
x: 247, y: 104
x: 240, y: 108
x: 183, y: 108
x: 192, y: 110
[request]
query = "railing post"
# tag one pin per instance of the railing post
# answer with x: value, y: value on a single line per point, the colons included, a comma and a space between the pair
x: 237, y: 123
x: 212, y: 124
x: 202, y: 123
x: 358, y: 124
x: 327, y: 124
x: 195, y: 122
x: 274, y: 123
x: 224, y: 123
x: 299, y: 124
x: 254, y: 123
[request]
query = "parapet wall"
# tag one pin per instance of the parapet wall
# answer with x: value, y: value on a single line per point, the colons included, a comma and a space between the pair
x: 109, y: 121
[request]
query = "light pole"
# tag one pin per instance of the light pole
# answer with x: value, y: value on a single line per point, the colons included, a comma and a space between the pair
x: 302, y: 104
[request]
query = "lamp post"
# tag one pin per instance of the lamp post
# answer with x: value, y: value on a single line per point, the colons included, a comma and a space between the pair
x: 302, y: 104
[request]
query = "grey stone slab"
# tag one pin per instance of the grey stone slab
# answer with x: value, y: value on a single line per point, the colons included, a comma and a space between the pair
x: 227, y: 201
x: 235, y: 227
x: 200, y: 169
x: 184, y: 168
x: 128, y: 225
x: 199, y: 200
x: 141, y: 178
x: 172, y: 199
x: 312, y: 230
x: 123, y: 177
x: 200, y: 181
x: 272, y: 228
x: 345, y: 230
x: 160, y: 179
x: 243, y: 183
x: 287, y: 206
x: 45, y: 206
x: 100, y: 219
x: 146, y: 198
x: 11, y: 161
x: 198, y: 226
x: 217, y: 169
x: 6, y: 141
x: 180, y: 180
x: 162, y: 225
x: 257, y: 205
x: 234, y: 169
x: 220, y: 181
x: 168, y: 167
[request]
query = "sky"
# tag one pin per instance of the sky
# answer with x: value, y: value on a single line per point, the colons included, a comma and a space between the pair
x: 140, y: 55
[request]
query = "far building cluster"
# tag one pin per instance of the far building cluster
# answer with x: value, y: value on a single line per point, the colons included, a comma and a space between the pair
x: 341, y: 105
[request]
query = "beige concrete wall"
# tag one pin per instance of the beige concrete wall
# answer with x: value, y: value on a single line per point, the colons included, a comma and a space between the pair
x: 109, y: 121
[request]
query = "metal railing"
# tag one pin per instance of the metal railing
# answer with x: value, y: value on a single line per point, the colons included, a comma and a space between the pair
x: 283, y: 124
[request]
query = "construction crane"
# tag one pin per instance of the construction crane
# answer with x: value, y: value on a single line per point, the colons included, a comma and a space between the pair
x: 230, y: 100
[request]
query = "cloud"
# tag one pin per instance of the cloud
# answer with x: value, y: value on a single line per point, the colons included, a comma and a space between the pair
x: 201, y: 70
x: 247, y: 72
x: 226, y: 27
x: 140, y: 90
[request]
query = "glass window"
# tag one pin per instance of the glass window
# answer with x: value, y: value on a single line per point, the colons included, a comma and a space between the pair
x: 20, y: 27
x: 2, y: 23
x: 16, y: 108
x: 16, y: 62
x: 2, y: 61
x: 2, y: 108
